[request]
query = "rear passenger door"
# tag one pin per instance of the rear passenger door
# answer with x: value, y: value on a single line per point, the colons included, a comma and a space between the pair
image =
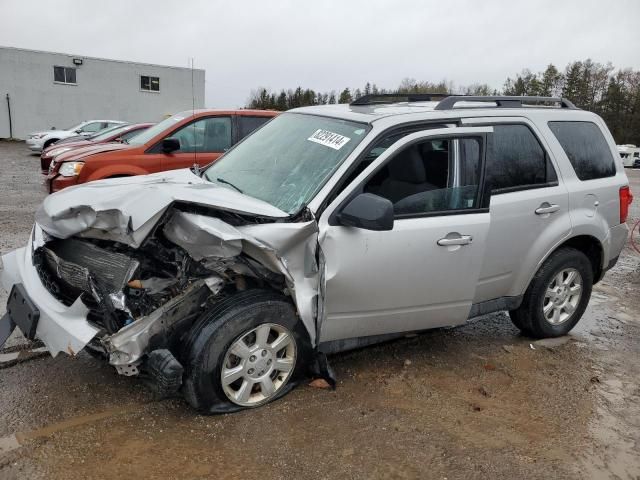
x: 529, y: 207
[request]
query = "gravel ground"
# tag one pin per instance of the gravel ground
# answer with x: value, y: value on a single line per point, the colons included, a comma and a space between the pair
x: 477, y: 401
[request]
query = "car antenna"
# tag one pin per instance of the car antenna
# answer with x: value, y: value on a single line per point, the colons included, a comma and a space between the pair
x: 196, y: 167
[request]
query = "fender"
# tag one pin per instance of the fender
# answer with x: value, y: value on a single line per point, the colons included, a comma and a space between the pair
x: 115, y: 170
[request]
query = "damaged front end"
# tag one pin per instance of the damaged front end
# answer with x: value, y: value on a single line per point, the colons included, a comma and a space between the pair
x: 124, y: 279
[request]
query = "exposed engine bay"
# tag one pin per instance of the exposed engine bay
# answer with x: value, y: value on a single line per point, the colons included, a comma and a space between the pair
x: 147, y: 297
x: 131, y: 277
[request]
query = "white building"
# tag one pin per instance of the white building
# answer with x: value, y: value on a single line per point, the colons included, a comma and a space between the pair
x: 47, y: 90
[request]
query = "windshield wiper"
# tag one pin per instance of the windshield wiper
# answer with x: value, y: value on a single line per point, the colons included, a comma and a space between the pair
x: 222, y: 180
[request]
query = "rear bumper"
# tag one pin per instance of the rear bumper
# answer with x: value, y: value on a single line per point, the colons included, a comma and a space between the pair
x: 614, y: 243
x: 61, y: 328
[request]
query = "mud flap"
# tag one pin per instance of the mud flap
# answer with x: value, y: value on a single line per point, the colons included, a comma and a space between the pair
x: 322, y: 369
x: 6, y: 328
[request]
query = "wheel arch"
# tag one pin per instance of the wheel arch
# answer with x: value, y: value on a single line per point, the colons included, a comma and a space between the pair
x: 115, y: 171
x: 588, y: 244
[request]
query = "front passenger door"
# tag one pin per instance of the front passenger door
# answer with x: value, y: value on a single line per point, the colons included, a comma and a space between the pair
x: 423, y: 272
x: 201, y: 142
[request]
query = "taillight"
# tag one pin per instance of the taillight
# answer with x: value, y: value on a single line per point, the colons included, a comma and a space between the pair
x: 625, y: 200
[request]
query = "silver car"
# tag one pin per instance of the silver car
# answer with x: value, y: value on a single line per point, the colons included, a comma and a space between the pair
x: 329, y: 228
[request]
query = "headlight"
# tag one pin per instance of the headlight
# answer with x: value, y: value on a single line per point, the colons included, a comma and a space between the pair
x: 71, y: 169
x: 39, y: 135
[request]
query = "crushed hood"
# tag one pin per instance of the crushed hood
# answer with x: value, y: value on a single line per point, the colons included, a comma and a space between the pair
x: 126, y: 209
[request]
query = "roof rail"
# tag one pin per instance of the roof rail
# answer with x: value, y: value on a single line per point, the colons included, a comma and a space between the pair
x: 503, y: 101
x: 381, y: 98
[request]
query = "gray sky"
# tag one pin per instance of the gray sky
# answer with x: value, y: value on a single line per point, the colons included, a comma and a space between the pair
x: 324, y: 45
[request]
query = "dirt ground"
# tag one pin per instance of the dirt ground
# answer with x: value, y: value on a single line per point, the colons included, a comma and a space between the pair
x: 477, y: 401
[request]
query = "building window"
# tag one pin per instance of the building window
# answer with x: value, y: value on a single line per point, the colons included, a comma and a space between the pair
x: 64, y: 75
x: 149, y: 84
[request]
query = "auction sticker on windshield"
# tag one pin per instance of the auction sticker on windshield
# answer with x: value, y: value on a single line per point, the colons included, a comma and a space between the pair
x: 329, y: 139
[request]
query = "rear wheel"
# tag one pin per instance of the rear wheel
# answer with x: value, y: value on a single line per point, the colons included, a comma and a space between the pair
x: 249, y: 350
x: 557, y: 295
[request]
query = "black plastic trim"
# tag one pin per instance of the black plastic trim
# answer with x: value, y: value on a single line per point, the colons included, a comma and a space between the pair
x: 502, y: 101
x: 496, y: 305
x: 386, y: 98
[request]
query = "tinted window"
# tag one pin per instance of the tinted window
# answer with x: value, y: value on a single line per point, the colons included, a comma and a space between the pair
x: 586, y: 149
x: 249, y: 124
x: 211, y: 134
x: 517, y: 160
x: 431, y: 176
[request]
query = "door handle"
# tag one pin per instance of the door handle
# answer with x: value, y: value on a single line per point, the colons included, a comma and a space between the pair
x: 461, y: 240
x: 547, y: 208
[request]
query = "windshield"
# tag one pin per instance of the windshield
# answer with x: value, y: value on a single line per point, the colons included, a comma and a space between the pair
x: 109, y: 132
x: 158, y: 128
x: 288, y: 160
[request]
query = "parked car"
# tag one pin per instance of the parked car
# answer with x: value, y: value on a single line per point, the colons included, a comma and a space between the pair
x: 41, y: 140
x: 630, y: 155
x: 330, y: 228
x: 119, y: 133
x: 179, y: 141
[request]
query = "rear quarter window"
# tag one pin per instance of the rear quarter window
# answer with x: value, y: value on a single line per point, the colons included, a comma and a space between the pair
x: 586, y: 149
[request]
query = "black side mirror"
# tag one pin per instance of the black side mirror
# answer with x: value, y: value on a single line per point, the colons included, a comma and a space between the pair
x: 368, y: 211
x: 170, y: 145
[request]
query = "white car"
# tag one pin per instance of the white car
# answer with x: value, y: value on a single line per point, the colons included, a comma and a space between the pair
x: 40, y: 140
x: 630, y: 155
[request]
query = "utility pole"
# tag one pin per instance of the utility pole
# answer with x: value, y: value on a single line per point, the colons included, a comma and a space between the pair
x: 10, y: 124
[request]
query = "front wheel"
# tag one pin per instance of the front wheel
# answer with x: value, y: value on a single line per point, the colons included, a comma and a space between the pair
x: 248, y: 351
x: 557, y: 295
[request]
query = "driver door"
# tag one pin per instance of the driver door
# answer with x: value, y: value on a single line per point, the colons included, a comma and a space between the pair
x: 422, y: 273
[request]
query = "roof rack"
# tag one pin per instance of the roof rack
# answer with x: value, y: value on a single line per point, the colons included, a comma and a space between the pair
x: 503, y: 101
x: 381, y: 98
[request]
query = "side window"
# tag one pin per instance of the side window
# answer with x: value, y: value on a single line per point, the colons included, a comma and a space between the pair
x: 210, y: 135
x: 92, y: 127
x: 586, y: 149
x: 517, y: 161
x: 249, y: 124
x: 431, y: 176
x: 378, y: 148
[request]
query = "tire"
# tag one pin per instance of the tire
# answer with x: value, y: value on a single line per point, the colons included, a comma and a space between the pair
x: 550, y: 307
x: 49, y: 142
x: 207, y: 352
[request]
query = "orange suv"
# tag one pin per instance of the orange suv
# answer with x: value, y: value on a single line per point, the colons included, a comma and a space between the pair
x: 180, y: 141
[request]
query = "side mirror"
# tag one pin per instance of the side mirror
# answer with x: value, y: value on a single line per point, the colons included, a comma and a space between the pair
x: 78, y: 130
x: 170, y: 145
x: 368, y: 211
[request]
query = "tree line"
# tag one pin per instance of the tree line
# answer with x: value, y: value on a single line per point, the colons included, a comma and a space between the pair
x: 600, y: 88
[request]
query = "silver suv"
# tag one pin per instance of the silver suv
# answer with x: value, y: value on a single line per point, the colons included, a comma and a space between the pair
x: 329, y: 228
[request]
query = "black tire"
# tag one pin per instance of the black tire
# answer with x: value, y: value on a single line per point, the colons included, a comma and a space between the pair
x: 211, y: 336
x: 529, y: 317
x: 49, y: 142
